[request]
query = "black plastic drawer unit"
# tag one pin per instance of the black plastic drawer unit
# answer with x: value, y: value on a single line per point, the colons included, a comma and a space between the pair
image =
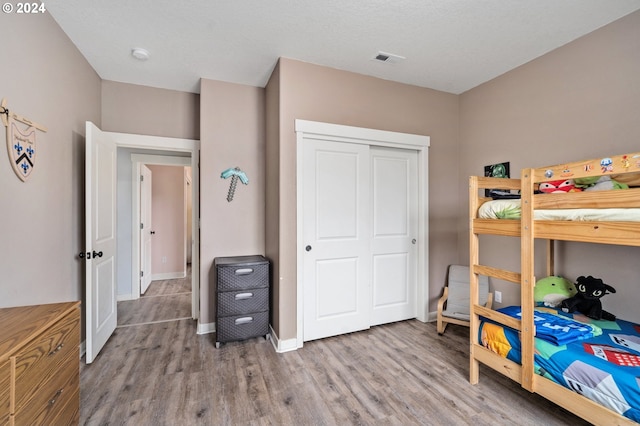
x: 243, y: 298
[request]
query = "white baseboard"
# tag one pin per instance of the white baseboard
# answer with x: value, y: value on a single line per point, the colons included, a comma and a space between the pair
x: 83, y: 348
x: 282, y: 346
x: 123, y: 297
x: 168, y: 276
x: 206, y: 328
x: 433, y: 316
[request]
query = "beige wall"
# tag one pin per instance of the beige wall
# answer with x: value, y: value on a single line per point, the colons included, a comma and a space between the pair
x: 316, y: 93
x: 168, y: 221
x: 232, y: 134
x: 580, y: 101
x: 44, y: 78
x: 272, y: 195
x: 141, y: 110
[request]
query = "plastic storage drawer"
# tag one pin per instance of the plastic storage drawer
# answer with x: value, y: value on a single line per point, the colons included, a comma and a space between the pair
x: 243, y: 301
x: 240, y: 327
x: 242, y: 276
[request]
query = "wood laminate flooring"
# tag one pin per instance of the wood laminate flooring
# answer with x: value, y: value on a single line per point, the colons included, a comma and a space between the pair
x: 396, y: 374
x: 164, y: 300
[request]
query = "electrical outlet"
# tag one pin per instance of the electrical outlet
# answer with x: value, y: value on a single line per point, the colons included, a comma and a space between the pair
x: 498, y: 296
x: 164, y: 259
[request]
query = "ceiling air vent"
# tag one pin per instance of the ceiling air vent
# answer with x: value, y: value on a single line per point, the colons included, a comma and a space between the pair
x: 389, y: 58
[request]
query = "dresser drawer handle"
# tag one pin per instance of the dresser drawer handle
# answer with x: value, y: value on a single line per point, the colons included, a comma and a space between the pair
x: 241, y: 296
x: 56, y: 349
x: 244, y: 320
x: 244, y: 271
x: 55, y: 397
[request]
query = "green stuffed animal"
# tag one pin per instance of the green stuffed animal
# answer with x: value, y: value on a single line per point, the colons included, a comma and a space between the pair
x: 599, y: 183
x: 551, y: 291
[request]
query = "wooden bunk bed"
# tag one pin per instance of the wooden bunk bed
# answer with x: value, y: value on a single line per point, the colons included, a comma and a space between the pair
x: 529, y: 229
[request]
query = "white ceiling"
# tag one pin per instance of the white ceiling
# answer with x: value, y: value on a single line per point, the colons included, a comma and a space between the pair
x: 449, y: 45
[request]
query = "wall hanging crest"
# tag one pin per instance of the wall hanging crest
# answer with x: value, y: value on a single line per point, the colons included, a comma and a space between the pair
x: 21, y: 141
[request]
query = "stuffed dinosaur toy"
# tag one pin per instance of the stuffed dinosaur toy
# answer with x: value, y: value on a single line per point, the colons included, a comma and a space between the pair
x: 599, y: 183
x: 551, y: 291
x: 587, y: 300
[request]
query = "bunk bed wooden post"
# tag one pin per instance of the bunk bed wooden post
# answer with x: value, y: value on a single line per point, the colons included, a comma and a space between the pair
x: 474, y: 367
x: 551, y: 257
x: 527, y: 278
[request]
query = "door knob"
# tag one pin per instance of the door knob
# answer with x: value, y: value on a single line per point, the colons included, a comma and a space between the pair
x: 153, y: 232
x: 413, y: 241
x: 87, y: 255
x: 308, y: 248
x: 97, y: 254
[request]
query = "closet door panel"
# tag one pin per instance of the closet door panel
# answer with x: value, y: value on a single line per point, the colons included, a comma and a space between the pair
x: 394, y: 234
x: 337, y: 269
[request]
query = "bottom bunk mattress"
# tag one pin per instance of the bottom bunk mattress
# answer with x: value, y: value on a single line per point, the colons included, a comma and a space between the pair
x: 597, y: 359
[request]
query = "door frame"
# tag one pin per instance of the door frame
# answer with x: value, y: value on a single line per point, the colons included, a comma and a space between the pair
x: 358, y: 135
x: 159, y: 143
x: 137, y: 161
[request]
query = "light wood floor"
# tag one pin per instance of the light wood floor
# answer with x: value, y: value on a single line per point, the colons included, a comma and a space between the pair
x: 396, y: 374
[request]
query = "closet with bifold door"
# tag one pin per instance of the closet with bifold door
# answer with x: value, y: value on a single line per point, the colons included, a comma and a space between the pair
x: 361, y: 228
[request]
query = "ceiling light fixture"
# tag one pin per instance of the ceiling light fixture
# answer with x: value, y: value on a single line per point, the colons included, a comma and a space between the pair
x: 140, y: 53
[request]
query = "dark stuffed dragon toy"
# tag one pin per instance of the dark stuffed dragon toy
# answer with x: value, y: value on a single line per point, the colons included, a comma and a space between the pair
x: 587, y: 300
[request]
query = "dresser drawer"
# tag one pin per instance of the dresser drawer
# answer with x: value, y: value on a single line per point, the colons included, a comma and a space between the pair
x: 5, y: 381
x: 45, y: 358
x: 70, y: 413
x: 56, y: 396
x: 243, y: 276
x: 243, y: 301
x: 240, y: 327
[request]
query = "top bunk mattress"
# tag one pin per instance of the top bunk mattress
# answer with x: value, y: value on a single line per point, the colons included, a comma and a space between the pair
x: 510, y: 209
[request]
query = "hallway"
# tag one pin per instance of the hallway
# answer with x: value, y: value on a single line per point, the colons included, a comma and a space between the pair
x: 164, y: 300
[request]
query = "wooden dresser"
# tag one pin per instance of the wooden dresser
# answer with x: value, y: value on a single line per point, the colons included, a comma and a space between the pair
x: 40, y: 364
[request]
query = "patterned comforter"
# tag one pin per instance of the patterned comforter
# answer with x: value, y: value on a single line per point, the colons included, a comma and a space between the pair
x: 602, y: 365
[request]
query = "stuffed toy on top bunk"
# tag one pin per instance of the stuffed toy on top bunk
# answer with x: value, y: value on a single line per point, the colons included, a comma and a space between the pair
x: 599, y: 183
x: 587, y: 300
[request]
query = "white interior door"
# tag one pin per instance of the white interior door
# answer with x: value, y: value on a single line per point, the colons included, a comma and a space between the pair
x: 394, y: 234
x: 189, y: 198
x: 337, y: 292
x: 100, y: 221
x: 146, y: 230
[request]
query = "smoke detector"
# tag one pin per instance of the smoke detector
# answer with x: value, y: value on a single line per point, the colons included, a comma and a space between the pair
x: 140, y: 53
x: 388, y: 58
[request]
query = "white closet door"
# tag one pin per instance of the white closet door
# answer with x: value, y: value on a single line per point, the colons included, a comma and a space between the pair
x: 336, y: 233
x: 394, y: 234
